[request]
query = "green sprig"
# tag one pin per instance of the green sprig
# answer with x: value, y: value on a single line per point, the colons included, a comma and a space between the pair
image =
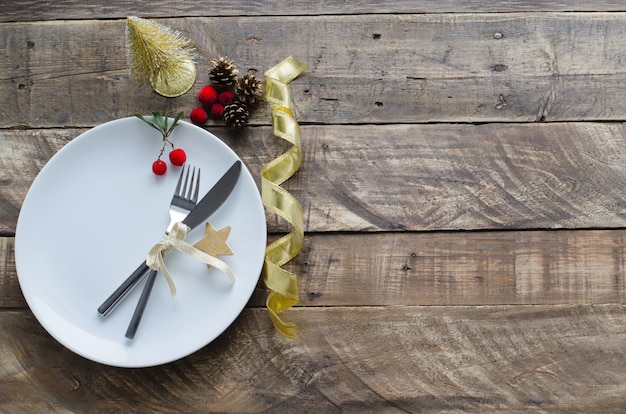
x: 161, y: 124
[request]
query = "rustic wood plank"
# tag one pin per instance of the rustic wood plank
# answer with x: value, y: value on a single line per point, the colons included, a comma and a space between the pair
x: 398, y: 359
x: 435, y: 177
x: 410, y: 177
x: 363, y: 69
x: 397, y: 314
x: 25, y: 153
x: 484, y: 268
x: 10, y: 292
x: 545, y: 267
x: 30, y: 10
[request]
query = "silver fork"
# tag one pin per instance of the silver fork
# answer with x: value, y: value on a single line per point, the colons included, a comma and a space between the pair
x: 181, y: 199
x: 184, y: 200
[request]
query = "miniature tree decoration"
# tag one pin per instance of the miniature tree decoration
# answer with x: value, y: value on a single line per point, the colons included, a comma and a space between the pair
x: 159, y: 56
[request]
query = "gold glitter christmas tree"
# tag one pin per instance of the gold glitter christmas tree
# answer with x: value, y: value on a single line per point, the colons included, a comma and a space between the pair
x: 159, y: 56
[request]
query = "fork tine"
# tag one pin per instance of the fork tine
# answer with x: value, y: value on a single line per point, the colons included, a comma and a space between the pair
x: 188, y: 190
x: 180, y: 181
x: 183, y: 190
x: 197, y: 190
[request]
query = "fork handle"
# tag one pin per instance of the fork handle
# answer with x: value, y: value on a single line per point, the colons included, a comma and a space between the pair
x: 121, y: 292
x: 141, y: 305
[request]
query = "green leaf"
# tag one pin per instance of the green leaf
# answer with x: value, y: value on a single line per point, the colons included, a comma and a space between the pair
x: 175, y: 123
x: 178, y: 116
x: 147, y: 122
x: 161, y: 123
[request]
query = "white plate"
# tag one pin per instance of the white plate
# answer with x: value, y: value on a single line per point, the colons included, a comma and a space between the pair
x: 89, y: 220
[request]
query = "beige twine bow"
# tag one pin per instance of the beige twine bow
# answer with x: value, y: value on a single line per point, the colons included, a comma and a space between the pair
x: 175, y: 241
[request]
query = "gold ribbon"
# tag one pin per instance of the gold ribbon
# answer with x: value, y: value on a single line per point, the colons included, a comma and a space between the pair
x: 283, y: 284
x: 175, y: 241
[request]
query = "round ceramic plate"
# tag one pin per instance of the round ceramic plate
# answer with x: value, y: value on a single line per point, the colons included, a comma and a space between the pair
x: 90, y: 218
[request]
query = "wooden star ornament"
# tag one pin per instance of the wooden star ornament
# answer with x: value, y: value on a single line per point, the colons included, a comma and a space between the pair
x: 214, y: 242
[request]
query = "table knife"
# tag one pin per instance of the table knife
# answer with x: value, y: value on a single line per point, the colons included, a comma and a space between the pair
x: 205, y: 207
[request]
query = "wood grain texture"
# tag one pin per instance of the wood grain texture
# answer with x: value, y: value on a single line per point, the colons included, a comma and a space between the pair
x: 30, y: 10
x: 435, y: 177
x: 363, y: 69
x: 392, y: 359
x: 489, y: 268
x: 10, y: 292
x: 483, y: 268
x: 26, y: 154
x: 411, y: 177
x: 464, y: 194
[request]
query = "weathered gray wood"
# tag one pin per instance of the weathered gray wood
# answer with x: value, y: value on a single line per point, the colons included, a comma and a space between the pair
x: 411, y: 177
x: 463, y: 268
x: 397, y: 313
x: 363, y: 69
x: 368, y: 359
x: 10, y: 293
x: 29, y: 10
x: 434, y: 177
x: 25, y: 153
x: 544, y: 267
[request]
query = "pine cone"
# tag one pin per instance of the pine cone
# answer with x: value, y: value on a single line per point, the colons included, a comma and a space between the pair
x: 236, y: 114
x: 249, y: 89
x: 223, y: 72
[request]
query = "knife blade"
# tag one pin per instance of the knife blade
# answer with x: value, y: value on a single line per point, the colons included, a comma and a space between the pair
x: 213, y: 200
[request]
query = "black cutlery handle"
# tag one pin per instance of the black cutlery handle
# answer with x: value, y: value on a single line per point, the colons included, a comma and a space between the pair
x: 120, y: 293
x: 141, y: 305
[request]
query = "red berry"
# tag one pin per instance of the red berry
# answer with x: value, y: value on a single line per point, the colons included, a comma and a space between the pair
x: 226, y: 97
x: 159, y: 167
x: 178, y: 157
x: 198, y: 116
x: 208, y: 95
x: 216, y: 110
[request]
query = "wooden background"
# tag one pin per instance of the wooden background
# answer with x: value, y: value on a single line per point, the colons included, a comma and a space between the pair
x: 464, y: 188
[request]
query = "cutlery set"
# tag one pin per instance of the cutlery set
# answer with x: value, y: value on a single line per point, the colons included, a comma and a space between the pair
x: 183, y: 208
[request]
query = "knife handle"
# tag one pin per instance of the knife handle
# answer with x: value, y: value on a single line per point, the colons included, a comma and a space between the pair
x: 141, y: 305
x: 121, y: 292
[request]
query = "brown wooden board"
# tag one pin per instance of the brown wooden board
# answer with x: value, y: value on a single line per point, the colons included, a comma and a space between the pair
x: 463, y: 189
x: 364, y: 359
x: 459, y: 268
x: 410, y: 177
x: 28, y: 10
x: 362, y: 69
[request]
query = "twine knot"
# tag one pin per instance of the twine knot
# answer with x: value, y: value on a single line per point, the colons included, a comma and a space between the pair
x: 175, y: 240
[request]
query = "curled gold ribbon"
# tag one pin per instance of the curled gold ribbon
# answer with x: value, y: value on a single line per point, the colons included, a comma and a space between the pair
x: 282, y: 284
x: 175, y: 241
